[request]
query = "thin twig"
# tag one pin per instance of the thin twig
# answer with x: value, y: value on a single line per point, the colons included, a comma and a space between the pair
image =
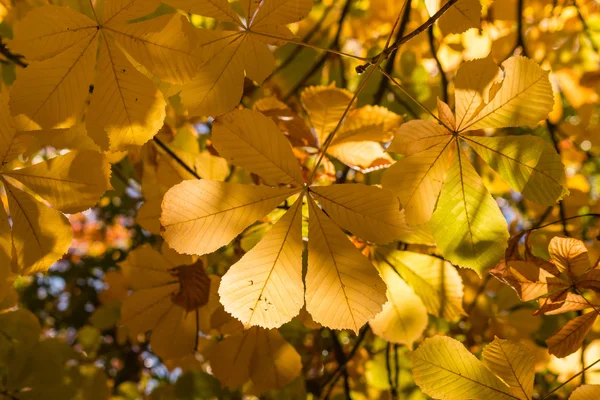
x: 305, y: 39
x: 321, y: 61
x: 179, y: 161
x: 394, y: 392
x: 443, y: 78
x: 16, y: 59
x: 520, y: 38
x: 389, y: 66
x: 341, y: 358
x: 336, y: 374
x: 571, y: 378
x: 388, y: 50
x: 561, y: 205
x: 586, y: 29
x: 566, y: 219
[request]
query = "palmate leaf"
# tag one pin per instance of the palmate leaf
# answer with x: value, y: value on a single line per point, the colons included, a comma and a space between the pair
x: 39, y: 234
x: 172, y: 297
x: 444, y: 369
x: 436, y: 181
x: 265, y: 287
x: 126, y: 109
x: 217, y: 86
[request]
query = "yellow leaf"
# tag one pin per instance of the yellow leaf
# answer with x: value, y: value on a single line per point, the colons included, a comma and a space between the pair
x: 41, y: 235
x: 416, y: 136
x: 9, y: 147
x: 444, y: 369
x: 343, y: 289
x: 363, y: 156
x: 265, y: 287
x: 164, y: 45
x: 217, y: 87
x: 294, y: 127
x: 5, y: 251
x: 201, y: 216
x: 125, y: 105
x: 513, y: 363
x: 417, y: 180
x: 586, y: 392
x: 474, y: 81
x: 275, y: 362
x: 280, y: 12
x: 434, y: 280
x: 230, y: 359
x: 52, y: 92
x: 404, y: 317
x: 260, y: 355
x: 570, y: 337
x: 524, y: 97
x: 445, y: 114
x: 258, y: 59
x: 71, y: 183
x: 218, y: 9
x: 168, y: 298
x: 368, y: 123
x: 49, y: 30
x: 569, y: 255
x: 252, y: 141
x: 325, y: 105
x: 119, y: 11
x: 367, y: 211
x: 528, y: 163
x: 464, y: 14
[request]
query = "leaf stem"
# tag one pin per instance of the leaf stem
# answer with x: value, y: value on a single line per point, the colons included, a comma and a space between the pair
x: 595, y: 215
x: 300, y: 43
x: 399, y: 86
x: 174, y: 156
x: 570, y: 379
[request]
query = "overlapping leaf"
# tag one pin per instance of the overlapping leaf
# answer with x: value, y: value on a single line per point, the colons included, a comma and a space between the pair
x: 265, y: 288
x: 72, y: 56
x: 436, y: 181
x: 39, y: 235
x: 217, y: 86
x: 358, y: 142
x: 259, y: 355
x: 557, y: 284
x: 444, y: 369
x: 171, y: 298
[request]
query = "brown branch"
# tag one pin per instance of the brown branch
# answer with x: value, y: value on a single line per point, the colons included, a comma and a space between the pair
x: 571, y: 378
x: 321, y: 61
x: 388, y: 50
x: 174, y: 156
x: 16, y: 59
x: 389, y: 66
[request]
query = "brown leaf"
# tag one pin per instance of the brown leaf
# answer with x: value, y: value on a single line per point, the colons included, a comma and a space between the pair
x: 570, y: 337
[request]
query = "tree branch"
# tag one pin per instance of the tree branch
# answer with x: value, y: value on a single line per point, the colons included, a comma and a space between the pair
x: 388, y: 50
x: 16, y: 59
x: 174, y: 156
x: 389, y: 66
